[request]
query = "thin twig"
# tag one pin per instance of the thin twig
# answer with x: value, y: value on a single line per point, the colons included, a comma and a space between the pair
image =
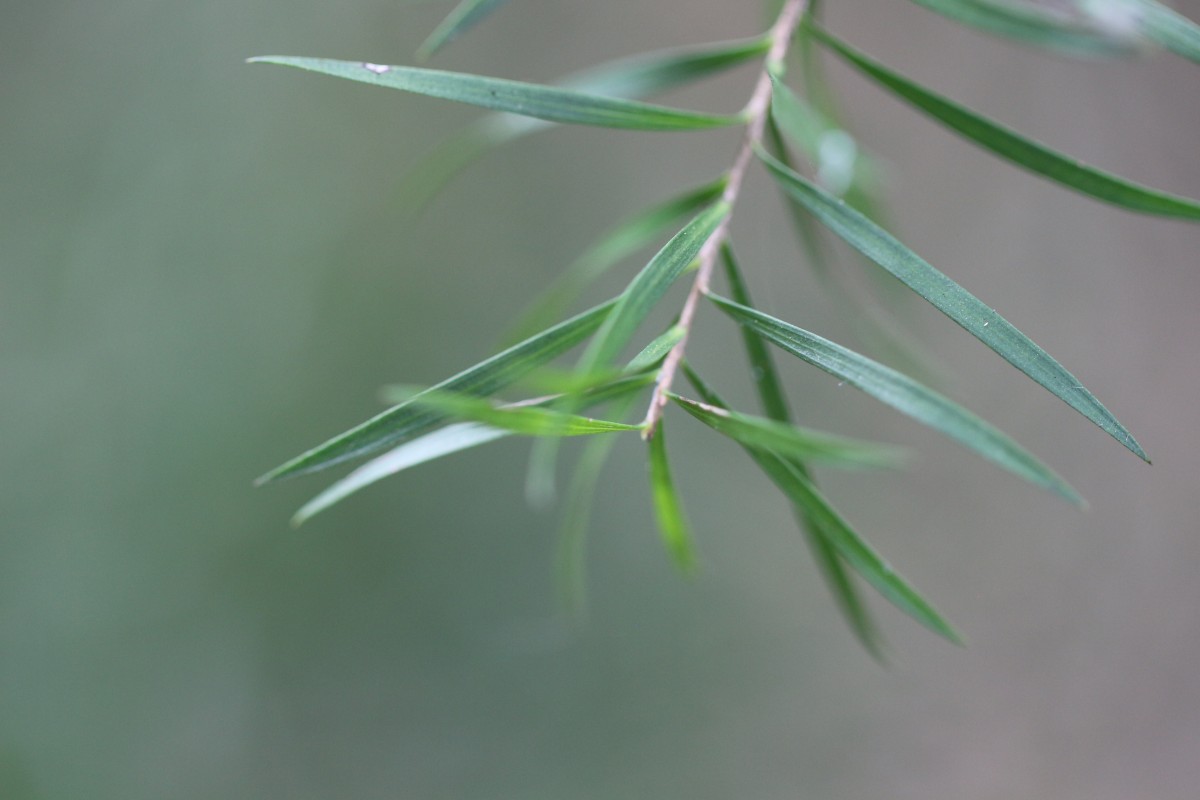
x: 756, y: 116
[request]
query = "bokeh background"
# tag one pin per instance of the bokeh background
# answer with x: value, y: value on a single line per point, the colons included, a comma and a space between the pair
x: 206, y: 267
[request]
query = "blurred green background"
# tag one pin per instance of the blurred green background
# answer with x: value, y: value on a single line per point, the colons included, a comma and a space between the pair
x: 205, y: 268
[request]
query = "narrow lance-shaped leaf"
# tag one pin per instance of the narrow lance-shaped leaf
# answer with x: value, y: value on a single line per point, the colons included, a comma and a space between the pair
x: 1029, y: 24
x: 628, y: 237
x: 515, y: 97
x: 636, y: 77
x: 770, y: 392
x: 648, y: 287
x: 447, y: 441
x: 829, y: 560
x: 790, y: 441
x: 464, y: 16
x: 408, y: 420
x: 903, y: 394
x: 668, y: 509
x: 865, y: 560
x: 1018, y: 149
x: 522, y: 420
x: 957, y: 303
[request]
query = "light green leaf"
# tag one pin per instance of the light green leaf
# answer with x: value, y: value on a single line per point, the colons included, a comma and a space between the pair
x: 1162, y: 25
x: 465, y: 15
x: 448, y: 440
x: 634, y: 77
x: 790, y: 441
x: 487, y: 377
x: 852, y: 547
x: 979, y: 320
x: 527, y: 99
x: 619, y: 243
x: 653, y: 354
x: 523, y: 420
x: 435, y: 445
x: 648, y: 287
x: 668, y: 509
x: 1029, y: 24
x: 1014, y: 147
x: 903, y: 394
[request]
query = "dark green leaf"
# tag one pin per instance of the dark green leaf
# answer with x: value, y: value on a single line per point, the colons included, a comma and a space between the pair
x: 978, y: 319
x: 852, y: 547
x: 487, y: 377
x: 790, y: 441
x: 634, y: 77
x: 902, y: 393
x: 1018, y: 149
x: 550, y: 103
x: 465, y: 14
x: 762, y: 366
x: 672, y: 523
x: 1029, y: 24
x: 648, y: 287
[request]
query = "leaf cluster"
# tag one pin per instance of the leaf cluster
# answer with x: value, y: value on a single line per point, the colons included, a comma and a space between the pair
x: 795, y: 134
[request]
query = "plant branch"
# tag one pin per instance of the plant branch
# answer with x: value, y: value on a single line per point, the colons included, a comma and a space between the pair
x: 756, y: 112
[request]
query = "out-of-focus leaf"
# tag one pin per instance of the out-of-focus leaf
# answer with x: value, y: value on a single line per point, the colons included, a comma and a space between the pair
x: 464, y: 16
x: 622, y: 241
x: 762, y: 366
x: 865, y: 560
x: 487, y: 377
x: 635, y: 77
x: 903, y: 394
x: 668, y: 509
x: 1018, y: 149
x: 550, y: 103
x: 648, y: 287
x: 790, y: 441
x: 1033, y: 25
x: 522, y: 420
x: 957, y: 303
x: 1160, y: 24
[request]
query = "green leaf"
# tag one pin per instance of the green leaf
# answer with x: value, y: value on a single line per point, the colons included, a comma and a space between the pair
x: 527, y: 99
x: 672, y: 523
x: 957, y: 303
x: 1033, y: 25
x: 435, y: 445
x: 624, y: 240
x: 852, y: 547
x: 652, y: 354
x: 408, y: 419
x: 634, y: 77
x: 762, y: 366
x: 448, y: 440
x: 464, y: 16
x: 648, y: 287
x: 771, y: 395
x: 829, y: 560
x: 1018, y: 149
x: 1163, y: 26
x: 790, y: 441
x: 523, y: 420
x: 903, y: 394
